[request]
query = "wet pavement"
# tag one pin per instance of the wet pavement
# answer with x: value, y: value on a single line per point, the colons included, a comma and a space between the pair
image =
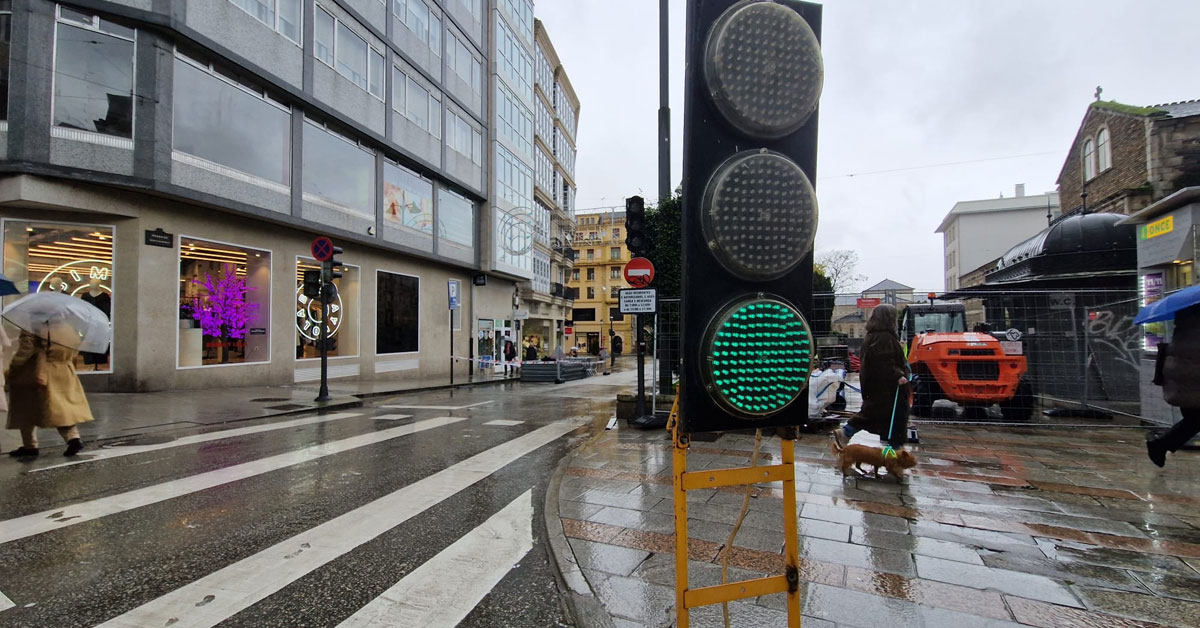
x: 997, y: 526
x: 423, y: 509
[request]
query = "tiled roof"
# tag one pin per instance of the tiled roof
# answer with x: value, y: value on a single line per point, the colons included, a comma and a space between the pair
x: 1182, y: 109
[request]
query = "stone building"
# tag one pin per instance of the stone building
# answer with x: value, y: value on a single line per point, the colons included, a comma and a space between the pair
x: 596, y: 279
x: 1126, y: 157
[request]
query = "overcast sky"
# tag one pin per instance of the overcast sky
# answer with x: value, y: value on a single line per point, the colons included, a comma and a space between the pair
x: 908, y: 85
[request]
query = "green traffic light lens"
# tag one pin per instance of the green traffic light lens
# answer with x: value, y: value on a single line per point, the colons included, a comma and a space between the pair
x: 758, y: 353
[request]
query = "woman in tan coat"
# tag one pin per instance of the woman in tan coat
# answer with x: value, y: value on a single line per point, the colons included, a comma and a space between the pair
x: 44, y: 391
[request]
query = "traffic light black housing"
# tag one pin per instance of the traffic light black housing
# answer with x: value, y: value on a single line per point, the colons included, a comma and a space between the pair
x: 752, y: 83
x: 312, y: 284
x: 636, y: 238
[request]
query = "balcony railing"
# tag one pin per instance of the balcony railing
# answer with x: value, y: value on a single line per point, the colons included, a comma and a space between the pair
x: 557, y: 290
x: 571, y: 294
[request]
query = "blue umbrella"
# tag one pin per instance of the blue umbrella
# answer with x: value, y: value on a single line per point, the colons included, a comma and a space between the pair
x: 7, y: 286
x: 1165, y: 308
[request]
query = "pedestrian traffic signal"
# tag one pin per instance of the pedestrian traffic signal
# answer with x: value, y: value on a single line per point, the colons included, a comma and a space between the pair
x: 636, y: 239
x: 752, y: 84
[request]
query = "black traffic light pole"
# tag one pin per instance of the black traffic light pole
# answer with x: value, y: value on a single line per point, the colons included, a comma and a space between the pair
x: 640, y: 410
x: 323, y: 393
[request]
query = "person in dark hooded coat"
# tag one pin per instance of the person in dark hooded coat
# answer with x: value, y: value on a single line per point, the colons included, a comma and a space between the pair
x: 884, y: 380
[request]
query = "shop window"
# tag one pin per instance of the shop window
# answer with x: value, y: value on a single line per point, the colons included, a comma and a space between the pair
x: 407, y: 199
x: 338, y: 171
x: 343, y: 314
x: 93, y: 75
x: 224, y: 304
x: 5, y: 39
x: 397, y: 313
x: 456, y: 219
x: 72, y: 259
x: 230, y: 124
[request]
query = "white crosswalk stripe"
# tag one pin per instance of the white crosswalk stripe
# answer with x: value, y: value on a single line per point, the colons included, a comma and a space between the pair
x: 234, y: 588
x: 57, y: 518
x: 444, y: 590
x: 120, y: 451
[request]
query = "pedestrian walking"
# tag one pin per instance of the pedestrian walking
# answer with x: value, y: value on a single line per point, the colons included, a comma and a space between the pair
x: 531, y: 353
x: 45, y: 392
x: 510, y: 354
x: 1177, y: 370
x: 884, y: 383
x: 6, y: 344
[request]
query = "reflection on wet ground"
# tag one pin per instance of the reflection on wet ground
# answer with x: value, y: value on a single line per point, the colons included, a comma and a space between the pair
x: 997, y: 526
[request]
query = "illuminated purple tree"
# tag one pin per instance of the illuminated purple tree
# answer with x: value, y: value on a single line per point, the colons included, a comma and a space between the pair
x: 224, y: 313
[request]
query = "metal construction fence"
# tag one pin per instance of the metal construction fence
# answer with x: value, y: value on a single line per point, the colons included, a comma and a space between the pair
x: 1081, y: 347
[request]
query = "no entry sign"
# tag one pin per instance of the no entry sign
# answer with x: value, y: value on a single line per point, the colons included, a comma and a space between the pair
x: 639, y: 272
x: 322, y: 249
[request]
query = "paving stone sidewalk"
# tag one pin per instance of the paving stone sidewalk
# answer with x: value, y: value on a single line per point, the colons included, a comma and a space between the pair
x: 1064, y: 527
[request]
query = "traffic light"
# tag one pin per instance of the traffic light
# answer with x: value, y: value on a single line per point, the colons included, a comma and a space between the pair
x: 636, y: 239
x: 312, y: 284
x: 752, y: 83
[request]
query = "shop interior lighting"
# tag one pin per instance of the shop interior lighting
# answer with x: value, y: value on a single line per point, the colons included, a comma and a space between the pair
x: 759, y: 215
x: 758, y: 352
x: 763, y: 68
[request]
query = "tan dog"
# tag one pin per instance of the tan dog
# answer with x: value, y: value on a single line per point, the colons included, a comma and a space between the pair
x: 859, y: 455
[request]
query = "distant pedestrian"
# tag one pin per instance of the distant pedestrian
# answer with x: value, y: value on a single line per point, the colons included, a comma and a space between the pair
x: 558, y: 353
x: 884, y: 381
x: 531, y: 353
x: 45, y: 392
x: 510, y: 354
x: 1177, y: 370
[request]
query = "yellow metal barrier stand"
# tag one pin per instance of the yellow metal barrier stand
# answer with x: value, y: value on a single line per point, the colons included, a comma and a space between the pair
x: 686, y: 598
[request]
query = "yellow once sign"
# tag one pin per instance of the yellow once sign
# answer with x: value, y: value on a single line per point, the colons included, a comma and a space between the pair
x: 1159, y: 227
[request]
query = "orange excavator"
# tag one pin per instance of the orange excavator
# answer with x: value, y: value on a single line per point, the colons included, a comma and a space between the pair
x: 968, y: 368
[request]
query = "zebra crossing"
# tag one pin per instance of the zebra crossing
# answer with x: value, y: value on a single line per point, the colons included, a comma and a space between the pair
x: 364, y: 519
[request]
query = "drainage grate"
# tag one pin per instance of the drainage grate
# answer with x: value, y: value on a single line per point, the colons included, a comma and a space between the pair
x: 287, y: 406
x: 270, y: 399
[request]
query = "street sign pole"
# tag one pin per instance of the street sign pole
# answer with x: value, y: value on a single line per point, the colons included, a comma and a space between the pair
x: 451, y: 328
x: 640, y: 409
x: 323, y: 393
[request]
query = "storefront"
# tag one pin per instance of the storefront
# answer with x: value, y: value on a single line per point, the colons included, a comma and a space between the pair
x: 1168, y: 242
x: 205, y: 299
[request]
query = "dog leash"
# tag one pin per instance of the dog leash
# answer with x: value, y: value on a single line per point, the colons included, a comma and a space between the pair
x: 888, y: 452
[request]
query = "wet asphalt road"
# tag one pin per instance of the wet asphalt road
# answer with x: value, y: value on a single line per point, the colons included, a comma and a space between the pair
x: 309, y: 524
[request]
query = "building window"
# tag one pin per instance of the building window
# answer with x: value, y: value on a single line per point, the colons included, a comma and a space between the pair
x: 397, y: 313
x: 71, y: 259
x: 224, y: 303
x: 462, y: 138
x: 230, y: 124
x: 514, y: 179
x: 583, y: 314
x: 591, y: 274
x: 411, y: 100
x: 591, y: 254
x: 521, y: 12
x: 338, y: 172
x: 1089, y: 160
x: 456, y: 219
x: 616, y: 234
x: 93, y: 74
x: 516, y: 122
x: 591, y: 292
x: 1103, y: 151
x: 464, y: 63
x: 343, y: 314
x: 514, y: 64
x: 5, y: 39
x: 407, y: 200
x: 574, y: 274
x: 614, y: 272
x: 282, y: 15
x: 615, y: 315
x: 348, y: 53
x: 614, y: 253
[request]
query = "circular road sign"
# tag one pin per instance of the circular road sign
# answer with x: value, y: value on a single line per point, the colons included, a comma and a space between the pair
x: 322, y: 249
x: 639, y: 272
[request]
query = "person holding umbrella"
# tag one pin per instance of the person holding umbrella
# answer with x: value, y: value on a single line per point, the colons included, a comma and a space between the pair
x: 44, y: 389
x: 7, y: 287
x: 1177, y: 368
